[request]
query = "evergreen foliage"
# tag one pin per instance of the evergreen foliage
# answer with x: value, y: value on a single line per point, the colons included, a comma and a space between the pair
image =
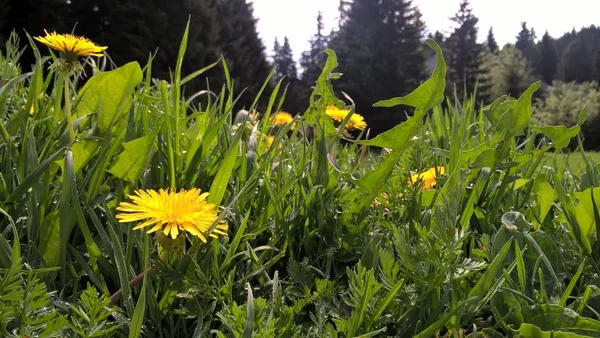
x: 464, y: 53
x: 577, y: 62
x: 380, y: 54
x: 491, y: 43
x: 312, y: 61
x: 548, y: 58
x: 283, y: 59
x: 526, y: 44
x: 242, y: 48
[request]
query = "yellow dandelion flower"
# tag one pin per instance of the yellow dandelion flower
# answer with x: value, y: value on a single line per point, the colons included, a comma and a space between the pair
x: 282, y: 118
x: 428, y: 178
x: 336, y: 113
x: 71, y: 46
x: 176, y: 211
x: 270, y: 140
x: 356, y: 121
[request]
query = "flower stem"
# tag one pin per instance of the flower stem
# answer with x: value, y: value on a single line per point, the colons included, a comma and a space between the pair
x: 134, y: 282
x: 68, y: 109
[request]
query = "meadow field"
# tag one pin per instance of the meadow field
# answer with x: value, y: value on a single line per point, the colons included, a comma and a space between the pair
x: 132, y: 208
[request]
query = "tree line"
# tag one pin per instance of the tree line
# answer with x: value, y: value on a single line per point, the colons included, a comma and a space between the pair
x: 379, y: 44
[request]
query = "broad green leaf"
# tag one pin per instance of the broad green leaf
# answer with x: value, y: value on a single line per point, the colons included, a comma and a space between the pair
x: 109, y: 94
x: 494, y: 111
x: 486, y: 158
x: 323, y: 96
x: 423, y: 98
x: 549, y: 317
x: 532, y: 331
x: 132, y: 161
x: 518, y: 117
x: 545, y: 196
x: 50, y: 239
x: 83, y: 151
x: 584, y: 210
x: 515, y: 220
x: 560, y: 135
x: 520, y: 183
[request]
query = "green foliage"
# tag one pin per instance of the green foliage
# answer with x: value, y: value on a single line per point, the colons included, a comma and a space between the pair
x: 326, y: 237
x: 386, y: 35
x: 91, y: 316
x: 549, y: 62
x: 562, y: 106
x: 526, y: 44
x: 463, y: 53
x: 491, y: 43
x: 509, y: 72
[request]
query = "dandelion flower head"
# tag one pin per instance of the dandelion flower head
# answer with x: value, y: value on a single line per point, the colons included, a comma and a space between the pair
x: 356, y: 121
x: 282, y: 118
x: 172, y: 213
x: 71, y: 46
x: 427, y: 179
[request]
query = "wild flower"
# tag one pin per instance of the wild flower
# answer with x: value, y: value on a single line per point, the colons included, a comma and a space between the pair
x: 356, y: 121
x: 173, y: 212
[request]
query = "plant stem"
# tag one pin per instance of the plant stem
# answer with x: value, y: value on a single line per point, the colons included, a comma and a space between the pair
x: 68, y: 109
x: 134, y: 282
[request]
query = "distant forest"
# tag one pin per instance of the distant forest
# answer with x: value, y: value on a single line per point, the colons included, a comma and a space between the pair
x: 379, y: 44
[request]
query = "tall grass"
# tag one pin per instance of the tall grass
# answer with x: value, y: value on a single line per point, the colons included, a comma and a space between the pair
x: 324, y: 239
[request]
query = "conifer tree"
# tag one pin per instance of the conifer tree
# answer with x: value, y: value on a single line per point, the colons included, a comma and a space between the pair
x: 577, y: 63
x: 438, y: 37
x: 464, y: 54
x: 381, y: 55
x: 596, y: 76
x: 526, y: 44
x: 242, y: 48
x: 312, y: 62
x: 491, y: 43
x: 548, y: 61
x: 283, y: 59
x: 138, y: 28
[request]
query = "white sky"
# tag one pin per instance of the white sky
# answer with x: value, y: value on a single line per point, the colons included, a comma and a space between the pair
x: 296, y: 19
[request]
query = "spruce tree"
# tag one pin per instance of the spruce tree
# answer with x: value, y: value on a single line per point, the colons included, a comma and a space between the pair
x: 138, y: 28
x: 596, y: 76
x: 438, y: 37
x: 577, y: 62
x: 312, y: 62
x: 526, y: 44
x: 283, y: 59
x: 242, y: 49
x: 381, y: 55
x: 491, y: 43
x: 548, y: 61
x: 463, y: 53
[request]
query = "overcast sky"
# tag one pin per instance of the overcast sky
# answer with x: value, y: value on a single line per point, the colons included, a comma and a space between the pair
x: 296, y: 19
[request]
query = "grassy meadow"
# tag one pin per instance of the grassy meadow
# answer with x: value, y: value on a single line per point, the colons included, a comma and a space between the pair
x: 459, y: 222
